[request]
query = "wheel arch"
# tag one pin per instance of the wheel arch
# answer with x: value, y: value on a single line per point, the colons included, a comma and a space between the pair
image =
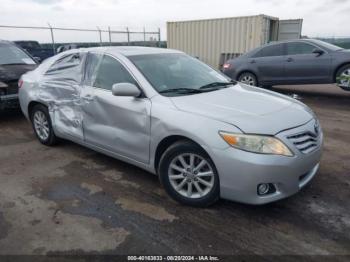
x: 31, y: 105
x: 337, y: 69
x: 166, y: 142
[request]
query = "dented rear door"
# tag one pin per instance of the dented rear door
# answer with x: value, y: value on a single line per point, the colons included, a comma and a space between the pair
x: 117, y: 124
x: 60, y: 89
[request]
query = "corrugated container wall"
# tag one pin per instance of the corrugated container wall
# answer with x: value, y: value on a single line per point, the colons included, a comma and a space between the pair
x: 209, y: 39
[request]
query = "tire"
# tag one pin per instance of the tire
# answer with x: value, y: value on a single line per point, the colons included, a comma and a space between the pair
x: 248, y: 79
x: 343, y: 71
x: 203, y: 194
x: 42, y: 126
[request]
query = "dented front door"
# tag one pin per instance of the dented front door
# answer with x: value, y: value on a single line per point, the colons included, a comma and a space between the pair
x: 117, y: 124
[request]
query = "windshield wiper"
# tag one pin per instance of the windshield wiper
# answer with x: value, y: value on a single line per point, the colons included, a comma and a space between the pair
x: 216, y: 85
x: 202, y: 89
x: 14, y: 64
x: 181, y: 90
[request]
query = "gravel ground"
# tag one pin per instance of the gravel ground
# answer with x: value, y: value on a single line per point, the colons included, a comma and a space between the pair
x: 71, y: 200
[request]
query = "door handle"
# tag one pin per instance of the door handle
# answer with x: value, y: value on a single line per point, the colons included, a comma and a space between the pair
x: 289, y: 59
x: 253, y: 61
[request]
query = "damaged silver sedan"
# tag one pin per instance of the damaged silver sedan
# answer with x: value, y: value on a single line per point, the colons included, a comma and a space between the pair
x: 205, y: 136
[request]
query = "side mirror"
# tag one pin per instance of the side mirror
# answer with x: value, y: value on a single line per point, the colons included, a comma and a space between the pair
x: 125, y: 89
x: 317, y: 51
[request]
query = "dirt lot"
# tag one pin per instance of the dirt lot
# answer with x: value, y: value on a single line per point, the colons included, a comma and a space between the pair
x: 69, y: 199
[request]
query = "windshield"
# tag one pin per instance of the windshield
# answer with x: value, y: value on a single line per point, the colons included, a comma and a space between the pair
x: 179, y: 74
x: 328, y: 45
x: 10, y: 54
x: 28, y: 44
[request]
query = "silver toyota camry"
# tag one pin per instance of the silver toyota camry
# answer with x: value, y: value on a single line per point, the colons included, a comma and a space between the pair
x: 204, y: 135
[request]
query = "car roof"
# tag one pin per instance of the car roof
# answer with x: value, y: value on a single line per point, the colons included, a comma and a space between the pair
x: 6, y: 42
x: 317, y: 42
x: 310, y: 40
x: 130, y: 50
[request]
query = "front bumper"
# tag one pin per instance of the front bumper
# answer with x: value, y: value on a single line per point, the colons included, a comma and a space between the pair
x: 9, y: 101
x: 241, y: 172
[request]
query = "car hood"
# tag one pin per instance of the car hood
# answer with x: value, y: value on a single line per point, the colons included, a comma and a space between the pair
x: 344, y: 51
x: 14, y: 72
x: 251, y: 109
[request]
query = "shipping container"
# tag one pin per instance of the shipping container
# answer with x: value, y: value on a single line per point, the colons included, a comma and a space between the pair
x: 215, y: 40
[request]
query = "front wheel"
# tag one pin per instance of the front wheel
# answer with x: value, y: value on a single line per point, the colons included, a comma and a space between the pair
x: 343, y: 77
x: 188, y: 175
x: 42, y: 126
x: 248, y: 79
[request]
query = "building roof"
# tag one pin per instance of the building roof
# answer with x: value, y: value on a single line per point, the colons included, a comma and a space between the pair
x: 225, y: 18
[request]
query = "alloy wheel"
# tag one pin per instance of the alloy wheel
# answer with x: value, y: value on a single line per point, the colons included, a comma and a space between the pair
x: 345, y: 74
x: 191, y: 175
x: 41, y: 125
x: 248, y: 80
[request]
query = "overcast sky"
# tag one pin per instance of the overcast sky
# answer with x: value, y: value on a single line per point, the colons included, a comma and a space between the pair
x: 321, y: 17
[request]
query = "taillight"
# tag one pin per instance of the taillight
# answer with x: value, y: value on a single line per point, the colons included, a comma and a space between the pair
x: 226, y: 66
x: 20, y: 83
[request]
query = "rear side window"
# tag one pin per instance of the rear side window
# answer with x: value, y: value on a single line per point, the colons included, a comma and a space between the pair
x: 91, y: 65
x: 299, y: 48
x: 111, y: 72
x: 65, y: 65
x: 271, y: 50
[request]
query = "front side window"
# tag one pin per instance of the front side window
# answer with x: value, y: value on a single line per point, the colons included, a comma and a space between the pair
x: 10, y: 55
x: 299, y: 48
x: 111, y: 72
x: 171, y: 74
x: 271, y: 50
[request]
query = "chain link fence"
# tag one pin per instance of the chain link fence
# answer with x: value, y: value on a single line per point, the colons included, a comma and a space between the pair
x: 59, y: 36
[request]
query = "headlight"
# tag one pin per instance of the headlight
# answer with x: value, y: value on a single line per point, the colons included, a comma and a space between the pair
x: 257, y: 144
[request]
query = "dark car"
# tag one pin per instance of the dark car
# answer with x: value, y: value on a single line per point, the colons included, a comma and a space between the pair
x: 66, y: 47
x: 14, y: 62
x: 35, y: 49
x: 304, y: 61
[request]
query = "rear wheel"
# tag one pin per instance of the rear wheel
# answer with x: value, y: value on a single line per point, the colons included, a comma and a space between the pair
x: 343, y: 77
x: 189, y: 175
x: 248, y: 79
x: 42, y: 126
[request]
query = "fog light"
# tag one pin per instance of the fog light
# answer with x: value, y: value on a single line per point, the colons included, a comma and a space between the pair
x: 263, y: 189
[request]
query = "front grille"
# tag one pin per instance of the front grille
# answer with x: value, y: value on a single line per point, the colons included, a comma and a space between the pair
x: 306, y: 141
x: 12, y: 87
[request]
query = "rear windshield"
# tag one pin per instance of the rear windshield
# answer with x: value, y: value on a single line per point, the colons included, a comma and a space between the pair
x: 10, y: 54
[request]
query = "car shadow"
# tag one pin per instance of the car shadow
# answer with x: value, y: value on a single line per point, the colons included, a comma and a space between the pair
x: 11, y: 114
